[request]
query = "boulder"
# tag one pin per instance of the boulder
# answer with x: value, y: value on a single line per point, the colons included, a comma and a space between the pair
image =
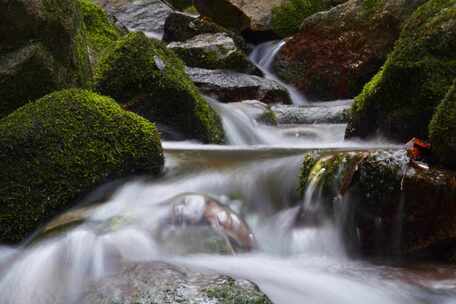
x: 147, y: 78
x: 400, y: 100
x: 336, y: 52
x: 157, y: 282
x: 229, y: 86
x: 42, y: 49
x: 239, y: 15
x: 146, y: 16
x: 397, y: 208
x: 101, y: 32
x: 214, y: 51
x: 442, y: 130
x: 58, y: 148
x: 182, y: 27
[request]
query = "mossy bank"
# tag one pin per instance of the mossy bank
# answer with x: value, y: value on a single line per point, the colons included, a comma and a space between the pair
x: 60, y: 147
x: 149, y: 79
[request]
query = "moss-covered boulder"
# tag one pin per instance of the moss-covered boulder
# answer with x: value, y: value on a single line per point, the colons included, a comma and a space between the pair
x: 214, y: 51
x: 336, y: 52
x: 100, y: 31
x: 58, y: 148
x: 147, y: 78
x: 400, y: 100
x: 42, y: 49
x: 182, y: 27
x: 442, y: 130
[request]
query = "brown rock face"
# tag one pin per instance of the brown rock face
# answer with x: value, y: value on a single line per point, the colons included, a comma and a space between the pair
x: 239, y: 15
x: 339, y: 50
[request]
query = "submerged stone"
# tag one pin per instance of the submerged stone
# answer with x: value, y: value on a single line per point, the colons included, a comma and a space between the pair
x: 149, y: 79
x: 62, y: 146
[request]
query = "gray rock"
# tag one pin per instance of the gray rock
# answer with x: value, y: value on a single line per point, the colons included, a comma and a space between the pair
x: 214, y: 51
x: 229, y: 86
x: 146, y: 16
x: 156, y: 282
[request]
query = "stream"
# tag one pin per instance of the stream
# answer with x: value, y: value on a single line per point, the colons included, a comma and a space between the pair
x: 255, y: 177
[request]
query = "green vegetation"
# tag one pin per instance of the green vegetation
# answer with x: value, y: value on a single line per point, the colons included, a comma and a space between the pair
x: 147, y: 78
x: 181, y: 4
x: 287, y: 18
x: 400, y: 100
x: 442, y: 129
x: 228, y: 292
x: 101, y: 32
x: 58, y: 148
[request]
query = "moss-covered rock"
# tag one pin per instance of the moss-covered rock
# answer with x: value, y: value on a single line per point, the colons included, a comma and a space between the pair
x: 181, y: 4
x: 61, y: 146
x: 214, y: 51
x: 400, y: 100
x: 42, y: 49
x: 442, y: 130
x: 101, y: 33
x: 147, y: 78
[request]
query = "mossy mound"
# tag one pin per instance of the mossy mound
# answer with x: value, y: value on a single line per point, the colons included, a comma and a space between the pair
x: 42, y: 49
x: 62, y: 146
x: 442, y: 130
x: 147, y: 78
x: 400, y: 100
x: 288, y: 17
x: 100, y: 31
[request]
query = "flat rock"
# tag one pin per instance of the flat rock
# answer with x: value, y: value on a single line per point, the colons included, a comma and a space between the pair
x: 228, y: 86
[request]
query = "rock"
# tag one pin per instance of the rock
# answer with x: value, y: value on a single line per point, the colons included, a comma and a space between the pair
x: 338, y: 51
x: 146, y: 16
x: 214, y: 51
x: 65, y: 144
x: 239, y: 15
x: 400, y: 100
x: 42, y: 49
x: 100, y: 31
x: 147, y: 78
x: 157, y: 282
x: 257, y: 110
x: 182, y: 27
x: 400, y: 210
x: 228, y: 86
x: 180, y: 4
x: 442, y: 130
x: 313, y: 114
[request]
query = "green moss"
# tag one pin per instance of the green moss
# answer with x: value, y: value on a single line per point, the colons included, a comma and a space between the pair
x: 62, y: 146
x: 181, y: 4
x: 442, y: 129
x: 287, y: 18
x: 146, y: 77
x: 101, y: 32
x: 268, y: 117
x: 229, y: 292
x: 400, y: 100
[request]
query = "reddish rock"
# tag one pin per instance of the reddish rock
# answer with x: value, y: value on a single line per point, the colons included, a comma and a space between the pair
x: 338, y: 51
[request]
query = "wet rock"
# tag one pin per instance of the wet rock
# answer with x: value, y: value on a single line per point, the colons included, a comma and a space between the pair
x: 157, y: 282
x: 182, y: 27
x: 400, y: 100
x: 147, y: 16
x: 149, y: 79
x: 337, y: 113
x: 42, y: 49
x: 336, y: 52
x: 214, y: 51
x: 62, y: 146
x: 239, y: 15
x: 229, y: 86
x: 442, y: 130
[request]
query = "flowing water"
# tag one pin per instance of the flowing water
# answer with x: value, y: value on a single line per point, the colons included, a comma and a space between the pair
x: 255, y: 180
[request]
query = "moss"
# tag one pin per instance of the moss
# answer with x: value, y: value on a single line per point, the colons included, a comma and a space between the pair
x: 268, y: 117
x: 101, y: 32
x: 229, y: 292
x: 400, y: 100
x: 62, y: 146
x: 288, y: 17
x: 181, y: 4
x: 146, y: 77
x: 442, y: 130
x: 43, y: 50
x: 309, y: 162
